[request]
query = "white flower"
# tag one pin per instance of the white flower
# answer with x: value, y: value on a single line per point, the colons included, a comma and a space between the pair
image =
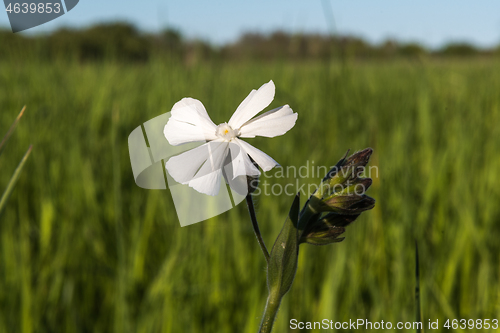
x: 224, y: 153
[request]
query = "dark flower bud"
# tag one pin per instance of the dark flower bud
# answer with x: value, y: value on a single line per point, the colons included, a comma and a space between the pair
x: 348, y: 204
x: 358, y: 159
x: 322, y: 234
x: 339, y: 201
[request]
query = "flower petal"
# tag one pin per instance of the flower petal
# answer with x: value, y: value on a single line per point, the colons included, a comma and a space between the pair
x: 193, y: 105
x: 208, y: 178
x: 270, y: 124
x: 184, y: 166
x: 237, y: 180
x: 240, y: 165
x: 200, y: 167
x: 265, y: 161
x: 238, y: 184
x: 189, y: 122
x: 255, y: 102
x: 207, y: 184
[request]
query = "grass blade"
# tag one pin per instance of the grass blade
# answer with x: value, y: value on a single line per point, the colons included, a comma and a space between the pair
x: 13, y: 179
x: 11, y: 130
x: 417, y: 290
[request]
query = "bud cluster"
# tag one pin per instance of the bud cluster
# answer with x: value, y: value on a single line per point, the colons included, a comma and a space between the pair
x: 339, y: 200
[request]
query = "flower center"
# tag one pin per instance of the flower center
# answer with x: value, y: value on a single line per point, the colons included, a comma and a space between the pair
x: 224, y: 131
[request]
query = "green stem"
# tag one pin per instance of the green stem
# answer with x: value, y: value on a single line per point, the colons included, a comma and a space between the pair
x: 270, y: 312
x: 13, y: 180
x: 255, y: 226
x: 11, y: 130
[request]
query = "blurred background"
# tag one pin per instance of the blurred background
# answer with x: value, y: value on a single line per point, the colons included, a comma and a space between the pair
x: 83, y: 249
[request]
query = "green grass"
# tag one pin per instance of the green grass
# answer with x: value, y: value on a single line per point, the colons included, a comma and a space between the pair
x: 83, y: 249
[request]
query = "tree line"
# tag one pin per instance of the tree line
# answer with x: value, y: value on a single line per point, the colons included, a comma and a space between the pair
x: 123, y: 42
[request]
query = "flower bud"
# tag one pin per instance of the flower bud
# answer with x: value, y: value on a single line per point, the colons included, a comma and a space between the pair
x: 349, y: 204
x: 342, y: 188
x: 327, y: 229
x: 348, y: 169
x: 340, y: 200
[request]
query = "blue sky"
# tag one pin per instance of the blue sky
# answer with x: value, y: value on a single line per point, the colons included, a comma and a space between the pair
x: 431, y: 22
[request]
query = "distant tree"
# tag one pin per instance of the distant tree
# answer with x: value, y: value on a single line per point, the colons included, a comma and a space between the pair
x: 170, y: 40
x: 11, y: 44
x: 388, y: 49
x: 458, y: 49
x: 63, y: 43
x: 120, y: 41
x: 198, y: 51
x: 411, y: 50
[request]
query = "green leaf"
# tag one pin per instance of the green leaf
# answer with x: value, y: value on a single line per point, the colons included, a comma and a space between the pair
x: 11, y: 130
x: 284, y: 254
x: 13, y: 180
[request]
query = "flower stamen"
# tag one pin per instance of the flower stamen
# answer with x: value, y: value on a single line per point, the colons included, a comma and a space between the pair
x: 225, y: 132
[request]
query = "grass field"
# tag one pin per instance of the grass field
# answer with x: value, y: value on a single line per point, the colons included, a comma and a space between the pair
x: 83, y: 249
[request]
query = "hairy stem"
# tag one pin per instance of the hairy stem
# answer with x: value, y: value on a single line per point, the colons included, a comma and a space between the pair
x: 255, y: 226
x: 270, y: 312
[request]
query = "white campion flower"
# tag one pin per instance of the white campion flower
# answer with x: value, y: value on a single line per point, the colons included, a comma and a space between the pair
x: 224, y: 154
